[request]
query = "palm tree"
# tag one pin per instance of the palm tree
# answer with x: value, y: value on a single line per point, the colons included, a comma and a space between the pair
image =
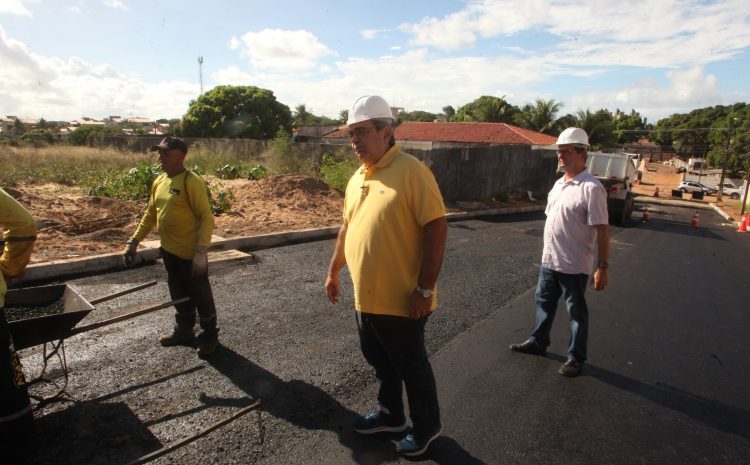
x: 541, y: 116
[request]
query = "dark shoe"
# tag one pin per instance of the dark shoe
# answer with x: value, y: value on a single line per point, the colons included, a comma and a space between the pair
x: 528, y: 347
x: 410, y: 446
x: 208, y: 342
x: 571, y: 368
x: 379, y: 422
x: 180, y: 335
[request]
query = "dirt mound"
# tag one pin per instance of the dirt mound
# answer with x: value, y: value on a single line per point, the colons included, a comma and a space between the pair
x: 279, y: 203
x: 75, y: 225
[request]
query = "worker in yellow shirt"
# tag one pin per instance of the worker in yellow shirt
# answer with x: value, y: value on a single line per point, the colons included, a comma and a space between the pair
x: 392, y: 240
x: 179, y: 208
x: 16, y: 419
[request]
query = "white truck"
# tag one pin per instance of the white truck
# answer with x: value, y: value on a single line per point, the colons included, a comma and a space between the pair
x: 616, y: 171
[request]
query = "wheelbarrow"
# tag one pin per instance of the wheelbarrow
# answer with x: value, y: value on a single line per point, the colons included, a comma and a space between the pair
x: 63, y: 308
x: 71, y: 309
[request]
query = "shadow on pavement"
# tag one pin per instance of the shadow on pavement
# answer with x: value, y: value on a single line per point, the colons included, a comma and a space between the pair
x: 721, y: 416
x: 309, y: 407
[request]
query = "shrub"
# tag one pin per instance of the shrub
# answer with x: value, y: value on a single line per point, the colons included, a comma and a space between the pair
x: 257, y: 172
x: 337, y: 173
x: 220, y: 197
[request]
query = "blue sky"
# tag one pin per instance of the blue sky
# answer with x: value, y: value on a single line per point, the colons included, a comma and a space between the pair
x: 63, y: 59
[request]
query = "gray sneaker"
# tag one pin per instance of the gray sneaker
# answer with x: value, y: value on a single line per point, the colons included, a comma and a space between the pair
x: 378, y: 421
x: 410, y: 446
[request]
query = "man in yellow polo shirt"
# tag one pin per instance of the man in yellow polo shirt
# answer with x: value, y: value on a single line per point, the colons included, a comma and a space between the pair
x: 16, y: 419
x: 392, y: 240
x: 179, y: 208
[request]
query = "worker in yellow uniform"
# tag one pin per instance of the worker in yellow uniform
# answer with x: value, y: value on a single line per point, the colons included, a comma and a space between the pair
x: 179, y: 208
x: 16, y: 418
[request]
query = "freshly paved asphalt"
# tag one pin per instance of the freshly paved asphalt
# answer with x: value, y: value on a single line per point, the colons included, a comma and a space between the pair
x: 666, y: 381
x: 668, y: 371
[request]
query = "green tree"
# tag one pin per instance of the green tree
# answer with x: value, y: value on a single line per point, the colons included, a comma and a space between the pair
x: 84, y: 133
x: 417, y: 115
x: 599, y: 126
x: 302, y: 116
x: 236, y: 112
x: 343, y: 116
x: 449, y: 112
x: 628, y: 127
x: 42, y: 124
x: 540, y: 117
x: 487, y: 109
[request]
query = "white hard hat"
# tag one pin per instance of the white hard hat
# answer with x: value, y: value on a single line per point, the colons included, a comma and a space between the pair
x: 369, y: 107
x: 573, y: 136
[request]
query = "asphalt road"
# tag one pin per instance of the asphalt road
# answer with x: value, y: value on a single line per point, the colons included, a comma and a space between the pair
x: 666, y: 381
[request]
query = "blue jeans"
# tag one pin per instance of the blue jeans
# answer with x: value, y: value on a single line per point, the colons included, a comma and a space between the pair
x: 394, y: 346
x: 551, y: 286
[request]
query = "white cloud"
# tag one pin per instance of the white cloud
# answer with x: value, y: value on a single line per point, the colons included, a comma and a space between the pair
x: 36, y: 86
x: 116, y: 4
x: 687, y: 90
x: 14, y: 7
x: 369, y: 34
x: 281, y: 50
x: 649, y: 33
x: 413, y: 80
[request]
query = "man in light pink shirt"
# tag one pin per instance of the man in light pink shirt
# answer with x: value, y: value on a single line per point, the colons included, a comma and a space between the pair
x: 576, y: 230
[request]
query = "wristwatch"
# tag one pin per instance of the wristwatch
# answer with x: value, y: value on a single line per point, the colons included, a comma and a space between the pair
x: 602, y: 264
x: 426, y: 293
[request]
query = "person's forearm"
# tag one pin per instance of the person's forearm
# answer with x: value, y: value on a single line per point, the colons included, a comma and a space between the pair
x: 602, y: 235
x: 338, y: 260
x: 435, y: 235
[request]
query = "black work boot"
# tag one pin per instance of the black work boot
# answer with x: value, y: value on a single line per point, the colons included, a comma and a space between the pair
x: 180, y: 335
x: 208, y: 341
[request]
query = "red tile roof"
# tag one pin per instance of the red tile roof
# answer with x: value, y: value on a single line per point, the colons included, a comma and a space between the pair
x: 486, y: 133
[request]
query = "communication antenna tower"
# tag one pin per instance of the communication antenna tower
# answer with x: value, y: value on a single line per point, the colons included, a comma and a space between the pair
x: 200, y: 72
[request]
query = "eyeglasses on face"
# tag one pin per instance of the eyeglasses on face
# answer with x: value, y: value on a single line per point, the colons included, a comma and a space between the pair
x: 360, y: 132
x: 566, y: 151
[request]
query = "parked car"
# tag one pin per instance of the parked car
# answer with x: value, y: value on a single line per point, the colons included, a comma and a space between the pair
x: 730, y: 190
x: 692, y: 186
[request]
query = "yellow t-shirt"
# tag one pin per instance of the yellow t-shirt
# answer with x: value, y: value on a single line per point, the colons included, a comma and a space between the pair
x: 386, y: 209
x: 180, y: 210
x: 19, y: 234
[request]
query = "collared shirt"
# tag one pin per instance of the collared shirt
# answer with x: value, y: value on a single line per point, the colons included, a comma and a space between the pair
x: 180, y: 210
x: 18, y: 229
x: 386, y: 208
x: 573, y: 209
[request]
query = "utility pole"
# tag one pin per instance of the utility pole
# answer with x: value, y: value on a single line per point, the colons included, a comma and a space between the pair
x: 200, y: 72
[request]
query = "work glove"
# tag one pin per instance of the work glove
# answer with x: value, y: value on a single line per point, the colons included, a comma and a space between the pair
x: 200, y: 260
x: 128, y: 255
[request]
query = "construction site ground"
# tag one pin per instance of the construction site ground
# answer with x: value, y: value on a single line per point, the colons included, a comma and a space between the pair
x: 666, y: 178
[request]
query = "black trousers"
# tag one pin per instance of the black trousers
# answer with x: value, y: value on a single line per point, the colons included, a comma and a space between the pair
x: 394, y: 346
x: 16, y: 417
x: 181, y: 284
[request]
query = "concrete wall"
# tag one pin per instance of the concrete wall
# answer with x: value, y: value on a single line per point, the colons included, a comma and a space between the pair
x: 462, y: 172
x: 489, y: 172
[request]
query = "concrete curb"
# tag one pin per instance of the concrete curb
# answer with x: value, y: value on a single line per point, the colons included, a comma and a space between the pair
x: 60, y: 269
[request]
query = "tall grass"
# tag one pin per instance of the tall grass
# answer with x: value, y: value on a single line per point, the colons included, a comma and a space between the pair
x: 128, y: 175
x: 61, y: 164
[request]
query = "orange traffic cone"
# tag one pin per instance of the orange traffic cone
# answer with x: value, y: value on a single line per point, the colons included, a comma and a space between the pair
x: 646, y: 216
x: 656, y: 191
x: 696, y: 221
x: 743, y: 225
